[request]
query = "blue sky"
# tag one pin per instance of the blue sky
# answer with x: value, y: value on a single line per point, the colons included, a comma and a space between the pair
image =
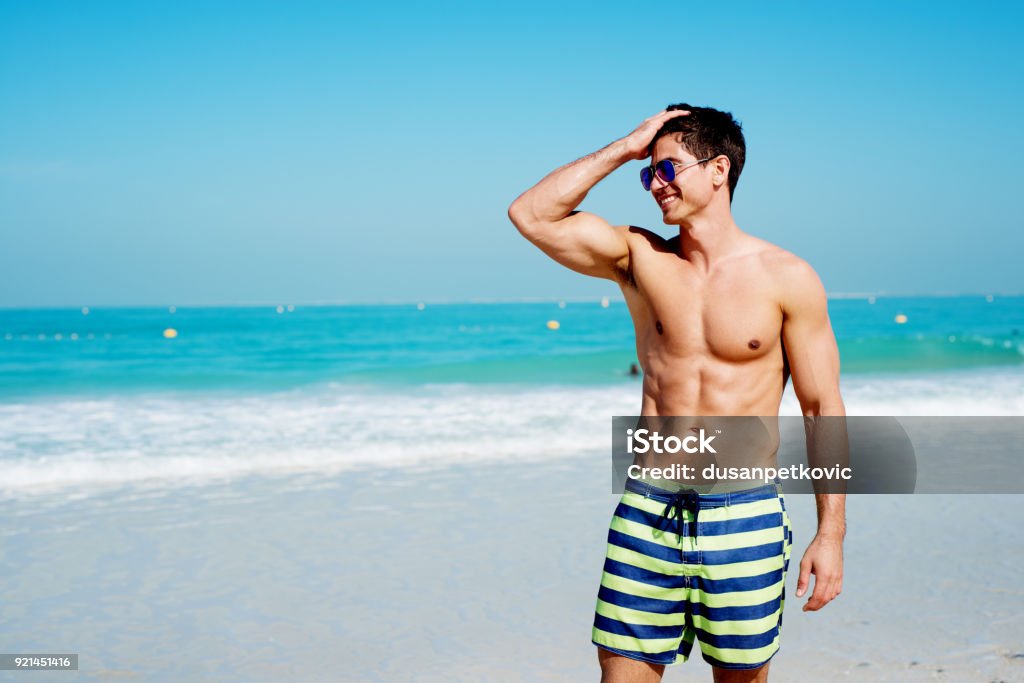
x: 204, y: 153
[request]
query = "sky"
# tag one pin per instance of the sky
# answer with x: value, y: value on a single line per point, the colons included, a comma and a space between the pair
x: 247, y: 153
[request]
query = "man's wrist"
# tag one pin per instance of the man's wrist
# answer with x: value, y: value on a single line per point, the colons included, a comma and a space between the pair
x: 618, y: 152
x: 832, y: 532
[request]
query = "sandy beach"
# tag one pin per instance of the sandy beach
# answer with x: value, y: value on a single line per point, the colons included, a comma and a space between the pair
x: 467, y: 573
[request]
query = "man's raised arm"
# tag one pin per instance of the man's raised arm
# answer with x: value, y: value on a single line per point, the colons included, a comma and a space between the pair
x: 545, y: 214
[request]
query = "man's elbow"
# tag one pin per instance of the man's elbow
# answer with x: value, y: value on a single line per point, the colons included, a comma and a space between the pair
x: 823, y: 407
x: 523, y: 218
x: 517, y: 213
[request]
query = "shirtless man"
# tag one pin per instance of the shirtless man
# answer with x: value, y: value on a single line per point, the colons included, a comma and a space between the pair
x: 721, y: 318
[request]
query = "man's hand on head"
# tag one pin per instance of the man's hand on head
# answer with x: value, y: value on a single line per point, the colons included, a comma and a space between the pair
x: 638, y: 143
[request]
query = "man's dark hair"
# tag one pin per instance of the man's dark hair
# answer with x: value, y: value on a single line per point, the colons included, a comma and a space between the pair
x: 708, y: 132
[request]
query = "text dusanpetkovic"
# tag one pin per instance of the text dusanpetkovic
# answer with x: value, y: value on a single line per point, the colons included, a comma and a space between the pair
x: 715, y: 472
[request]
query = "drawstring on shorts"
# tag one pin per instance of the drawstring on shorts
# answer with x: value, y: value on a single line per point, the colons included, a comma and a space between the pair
x: 687, y: 499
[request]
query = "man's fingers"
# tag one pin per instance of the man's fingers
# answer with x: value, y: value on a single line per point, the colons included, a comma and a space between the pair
x: 805, y: 577
x: 814, y: 604
x: 825, y: 591
x: 663, y: 116
x: 829, y: 594
x: 820, y: 596
x: 660, y: 119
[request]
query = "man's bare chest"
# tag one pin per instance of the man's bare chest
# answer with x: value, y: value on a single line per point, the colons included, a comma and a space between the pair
x: 732, y: 315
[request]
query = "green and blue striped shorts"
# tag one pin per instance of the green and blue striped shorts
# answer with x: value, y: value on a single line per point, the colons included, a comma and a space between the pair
x: 683, y: 565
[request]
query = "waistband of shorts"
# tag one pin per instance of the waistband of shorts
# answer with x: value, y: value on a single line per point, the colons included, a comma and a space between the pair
x: 706, y: 500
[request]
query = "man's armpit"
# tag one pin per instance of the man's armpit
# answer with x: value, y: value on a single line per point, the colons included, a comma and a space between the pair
x: 624, y: 268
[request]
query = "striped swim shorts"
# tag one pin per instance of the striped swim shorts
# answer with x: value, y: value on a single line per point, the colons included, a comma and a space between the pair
x: 683, y: 565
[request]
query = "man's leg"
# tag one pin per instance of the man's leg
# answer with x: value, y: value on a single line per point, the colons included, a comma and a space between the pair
x: 758, y: 675
x: 641, y: 619
x: 744, y: 548
x: 618, y: 669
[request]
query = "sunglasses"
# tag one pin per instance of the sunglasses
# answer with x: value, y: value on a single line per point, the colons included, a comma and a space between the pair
x: 664, y: 169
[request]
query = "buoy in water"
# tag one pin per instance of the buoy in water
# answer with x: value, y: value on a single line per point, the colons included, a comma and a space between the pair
x: 553, y: 325
x: 900, y: 319
x: 170, y: 333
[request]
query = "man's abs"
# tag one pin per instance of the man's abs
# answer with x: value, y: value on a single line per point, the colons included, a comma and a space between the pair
x: 701, y: 386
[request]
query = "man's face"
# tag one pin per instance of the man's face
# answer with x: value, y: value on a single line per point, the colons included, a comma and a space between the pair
x: 689, y: 191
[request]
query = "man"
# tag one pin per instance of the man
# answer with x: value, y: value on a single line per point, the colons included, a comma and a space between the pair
x: 721, y: 318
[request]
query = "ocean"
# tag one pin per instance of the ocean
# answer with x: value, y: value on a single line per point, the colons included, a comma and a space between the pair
x: 101, y: 397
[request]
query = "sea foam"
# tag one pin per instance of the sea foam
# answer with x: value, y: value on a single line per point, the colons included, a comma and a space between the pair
x: 78, y: 446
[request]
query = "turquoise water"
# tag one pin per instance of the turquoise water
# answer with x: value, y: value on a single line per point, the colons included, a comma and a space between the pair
x: 103, y: 398
x: 254, y: 349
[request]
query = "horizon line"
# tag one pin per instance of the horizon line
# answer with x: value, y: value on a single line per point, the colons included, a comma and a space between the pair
x: 481, y: 301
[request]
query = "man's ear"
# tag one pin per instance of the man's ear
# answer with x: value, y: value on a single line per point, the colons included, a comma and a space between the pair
x: 720, y: 166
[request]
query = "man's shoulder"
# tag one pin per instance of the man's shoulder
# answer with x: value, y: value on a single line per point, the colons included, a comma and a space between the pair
x: 797, y: 284
x: 793, y: 279
x: 787, y: 268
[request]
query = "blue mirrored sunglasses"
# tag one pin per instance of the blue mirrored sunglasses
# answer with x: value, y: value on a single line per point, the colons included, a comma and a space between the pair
x: 666, y: 170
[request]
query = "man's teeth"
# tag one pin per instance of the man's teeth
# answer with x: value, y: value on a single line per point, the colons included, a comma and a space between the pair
x: 666, y: 200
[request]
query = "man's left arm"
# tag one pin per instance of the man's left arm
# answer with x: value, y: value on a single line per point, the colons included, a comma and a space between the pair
x: 813, y: 356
